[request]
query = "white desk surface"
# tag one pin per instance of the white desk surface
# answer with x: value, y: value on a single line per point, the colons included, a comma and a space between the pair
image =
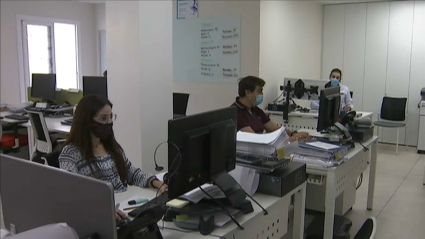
x: 312, y: 115
x: 3, y: 114
x: 53, y: 124
x: 265, y: 200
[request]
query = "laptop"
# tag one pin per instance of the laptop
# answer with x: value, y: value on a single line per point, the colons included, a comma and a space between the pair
x: 34, y: 195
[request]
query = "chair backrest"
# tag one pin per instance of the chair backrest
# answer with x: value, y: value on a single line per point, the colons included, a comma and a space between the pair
x: 52, y: 159
x: 393, y: 109
x: 180, y: 101
x: 42, y: 138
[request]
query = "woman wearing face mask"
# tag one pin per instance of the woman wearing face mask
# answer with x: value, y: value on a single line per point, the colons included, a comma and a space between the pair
x: 91, y: 149
x: 250, y: 117
x: 335, y: 80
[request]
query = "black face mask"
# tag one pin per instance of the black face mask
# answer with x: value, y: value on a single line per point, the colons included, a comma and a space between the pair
x: 102, y: 131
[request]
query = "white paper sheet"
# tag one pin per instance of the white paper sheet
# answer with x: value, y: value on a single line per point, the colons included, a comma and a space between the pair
x: 269, y: 138
x: 322, y: 145
x: 245, y: 177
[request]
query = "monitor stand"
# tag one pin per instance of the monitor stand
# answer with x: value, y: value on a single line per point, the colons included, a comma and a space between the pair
x: 340, y: 130
x: 235, y: 198
x: 235, y: 195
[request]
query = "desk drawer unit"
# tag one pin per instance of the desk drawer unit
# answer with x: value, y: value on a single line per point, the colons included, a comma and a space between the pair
x: 271, y: 226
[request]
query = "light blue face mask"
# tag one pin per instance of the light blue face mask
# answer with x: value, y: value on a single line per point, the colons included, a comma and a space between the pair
x: 258, y: 100
x: 334, y: 82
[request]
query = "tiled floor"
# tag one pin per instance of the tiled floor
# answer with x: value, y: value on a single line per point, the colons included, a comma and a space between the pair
x: 399, y: 202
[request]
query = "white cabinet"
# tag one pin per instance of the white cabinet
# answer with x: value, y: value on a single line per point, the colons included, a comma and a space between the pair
x: 399, y: 56
x: 380, y: 48
x: 354, y: 51
x: 375, y: 57
x: 333, y: 39
x: 417, y: 72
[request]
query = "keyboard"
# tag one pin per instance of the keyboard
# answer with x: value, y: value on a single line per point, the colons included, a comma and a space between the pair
x: 160, y: 200
x: 67, y: 122
x: 17, y: 117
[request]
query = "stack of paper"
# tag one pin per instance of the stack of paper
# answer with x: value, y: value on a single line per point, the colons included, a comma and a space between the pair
x: 323, y: 150
x: 319, y: 153
x: 261, y: 144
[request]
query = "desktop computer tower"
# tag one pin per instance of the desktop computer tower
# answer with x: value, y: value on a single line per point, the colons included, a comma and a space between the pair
x: 315, y: 198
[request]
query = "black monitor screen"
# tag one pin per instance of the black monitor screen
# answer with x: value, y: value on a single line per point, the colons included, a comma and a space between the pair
x: 43, y: 86
x: 329, y: 107
x: 95, y: 85
x: 207, y: 143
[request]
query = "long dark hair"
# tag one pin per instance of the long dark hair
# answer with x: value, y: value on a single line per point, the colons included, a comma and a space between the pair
x: 80, y: 135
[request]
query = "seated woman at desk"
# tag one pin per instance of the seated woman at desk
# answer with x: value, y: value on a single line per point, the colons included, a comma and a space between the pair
x: 91, y: 149
x: 335, y: 80
x: 251, y: 118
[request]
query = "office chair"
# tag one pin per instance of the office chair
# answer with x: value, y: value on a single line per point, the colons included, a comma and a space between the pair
x: 11, y: 141
x: 180, y: 101
x: 368, y: 229
x: 393, y: 115
x: 52, y: 159
x: 44, y: 141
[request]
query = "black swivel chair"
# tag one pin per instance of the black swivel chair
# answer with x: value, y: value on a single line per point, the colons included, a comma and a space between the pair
x: 52, y: 159
x: 368, y: 229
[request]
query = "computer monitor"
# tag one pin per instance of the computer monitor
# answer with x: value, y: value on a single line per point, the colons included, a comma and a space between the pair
x: 39, y: 195
x: 329, y: 107
x: 43, y: 86
x: 95, y: 85
x: 207, y: 144
x: 180, y: 103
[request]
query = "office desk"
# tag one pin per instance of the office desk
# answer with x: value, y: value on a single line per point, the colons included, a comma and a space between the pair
x: 27, y: 125
x: 53, y: 125
x: 256, y: 224
x: 337, y: 178
x: 298, y: 120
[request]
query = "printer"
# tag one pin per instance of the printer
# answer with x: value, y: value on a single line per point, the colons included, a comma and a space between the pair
x: 421, y: 135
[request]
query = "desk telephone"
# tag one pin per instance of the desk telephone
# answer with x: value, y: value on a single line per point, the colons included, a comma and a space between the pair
x: 143, y: 226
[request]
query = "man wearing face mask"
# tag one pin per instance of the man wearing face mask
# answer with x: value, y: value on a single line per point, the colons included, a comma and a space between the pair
x: 251, y: 118
x: 335, y: 80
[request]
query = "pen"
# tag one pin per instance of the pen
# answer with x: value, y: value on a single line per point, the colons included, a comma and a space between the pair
x: 137, y: 201
x: 130, y: 208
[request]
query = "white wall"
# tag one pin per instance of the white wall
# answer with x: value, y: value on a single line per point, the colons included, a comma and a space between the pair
x: 67, y: 10
x: 140, y: 76
x: 290, y: 42
x: 206, y: 96
x: 100, y: 10
x: 380, y: 48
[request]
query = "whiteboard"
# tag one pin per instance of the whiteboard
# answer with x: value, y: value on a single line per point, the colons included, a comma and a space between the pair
x: 207, y: 49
